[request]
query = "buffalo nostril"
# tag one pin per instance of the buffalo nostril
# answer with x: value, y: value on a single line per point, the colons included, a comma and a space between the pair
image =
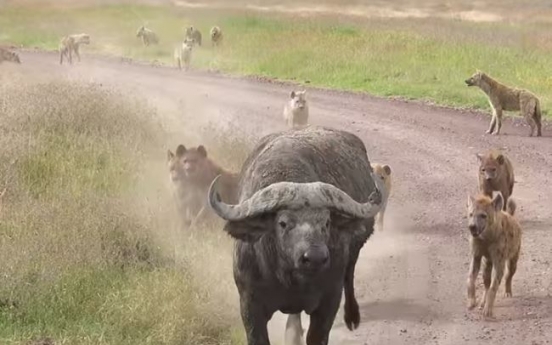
x: 315, y: 257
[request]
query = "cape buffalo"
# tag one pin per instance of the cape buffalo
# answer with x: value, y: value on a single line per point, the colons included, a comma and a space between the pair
x: 307, y: 201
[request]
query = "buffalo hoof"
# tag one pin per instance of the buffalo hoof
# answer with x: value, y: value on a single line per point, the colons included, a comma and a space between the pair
x: 352, y: 315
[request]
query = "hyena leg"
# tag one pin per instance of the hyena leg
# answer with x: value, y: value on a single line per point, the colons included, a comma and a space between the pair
x: 77, y: 52
x: 196, y: 218
x: 512, y: 266
x: 294, y: 330
x: 487, y: 272
x: 498, y: 121
x: 61, y: 57
x: 493, y: 121
x: 70, y: 58
x: 474, y: 271
x: 498, y: 273
x: 539, y: 127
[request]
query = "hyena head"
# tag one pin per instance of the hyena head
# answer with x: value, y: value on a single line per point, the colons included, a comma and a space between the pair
x: 383, y: 172
x: 482, y: 213
x: 13, y: 57
x: 214, y: 31
x: 475, y: 79
x: 189, y: 31
x: 84, y: 38
x: 491, y: 165
x: 298, y: 99
x: 187, y: 163
x: 188, y: 43
x: 175, y: 164
x: 140, y: 31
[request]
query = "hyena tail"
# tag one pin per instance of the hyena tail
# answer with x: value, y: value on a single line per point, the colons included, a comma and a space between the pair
x: 511, y: 206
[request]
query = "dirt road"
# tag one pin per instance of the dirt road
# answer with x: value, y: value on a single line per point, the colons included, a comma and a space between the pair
x: 411, y: 278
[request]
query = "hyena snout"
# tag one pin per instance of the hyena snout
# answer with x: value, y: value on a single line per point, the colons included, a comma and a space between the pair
x: 473, y: 230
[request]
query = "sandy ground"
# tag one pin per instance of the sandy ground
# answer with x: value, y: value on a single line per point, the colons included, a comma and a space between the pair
x: 411, y: 278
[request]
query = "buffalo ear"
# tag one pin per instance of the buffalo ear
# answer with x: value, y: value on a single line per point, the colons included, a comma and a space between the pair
x: 250, y: 230
x: 342, y: 222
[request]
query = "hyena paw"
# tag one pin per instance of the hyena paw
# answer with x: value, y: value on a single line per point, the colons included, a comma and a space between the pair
x: 471, y: 303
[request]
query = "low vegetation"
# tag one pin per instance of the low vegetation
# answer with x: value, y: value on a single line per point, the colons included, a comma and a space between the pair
x: 414, y: 58
x: 87, y: 243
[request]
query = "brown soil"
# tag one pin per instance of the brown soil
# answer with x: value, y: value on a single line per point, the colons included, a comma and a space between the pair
x: 411, y: 278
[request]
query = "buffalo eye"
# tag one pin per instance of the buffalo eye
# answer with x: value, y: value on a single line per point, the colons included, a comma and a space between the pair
x: 282, y: 224
x: 328, y: 224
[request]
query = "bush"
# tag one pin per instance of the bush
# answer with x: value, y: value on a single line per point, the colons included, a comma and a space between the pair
x: 83, y: 236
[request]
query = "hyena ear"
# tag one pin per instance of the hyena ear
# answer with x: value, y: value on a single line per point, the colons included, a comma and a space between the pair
x: 471, y: 200
x: 202, y: 151
x: 292, y: 94
x: 498, y: 202
x: 500, y: 159
x: 387, y: 169
x: 180, y: 150
x: 170, y: 154
x: 480, y: 156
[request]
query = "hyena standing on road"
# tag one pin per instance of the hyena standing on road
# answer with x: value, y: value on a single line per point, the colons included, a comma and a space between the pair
x: 502, y: 97
x: 496, y: 173
x: 70, y: 44
x: 216, y: 36
x: 383, y: 172
x: 183, y: 53
x: 296, y: 110
x: 6, y: 55
x: 495, y: 236
x: 191, y: 173
x: 147, y: 35
x: 193, y: 34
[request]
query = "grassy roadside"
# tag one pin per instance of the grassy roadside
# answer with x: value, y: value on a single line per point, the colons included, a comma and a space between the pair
x: 87, y: 247
x: 420, y: 59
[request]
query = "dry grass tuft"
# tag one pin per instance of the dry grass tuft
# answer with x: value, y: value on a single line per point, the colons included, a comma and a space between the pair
x: 86, y: 237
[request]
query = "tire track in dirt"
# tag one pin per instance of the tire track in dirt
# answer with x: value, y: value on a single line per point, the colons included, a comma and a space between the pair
x: 410, y: 278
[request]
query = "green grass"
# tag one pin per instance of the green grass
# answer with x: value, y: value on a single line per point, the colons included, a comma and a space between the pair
x: 419, y: 59
x: 87, y: 249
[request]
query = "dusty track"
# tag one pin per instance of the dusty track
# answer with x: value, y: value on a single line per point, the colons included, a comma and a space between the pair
x: 411, y: 277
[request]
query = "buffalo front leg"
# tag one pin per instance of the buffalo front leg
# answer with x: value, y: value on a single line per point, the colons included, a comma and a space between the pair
x: 351, y: 312
x: 254, y: 320
x: 322, y: 319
